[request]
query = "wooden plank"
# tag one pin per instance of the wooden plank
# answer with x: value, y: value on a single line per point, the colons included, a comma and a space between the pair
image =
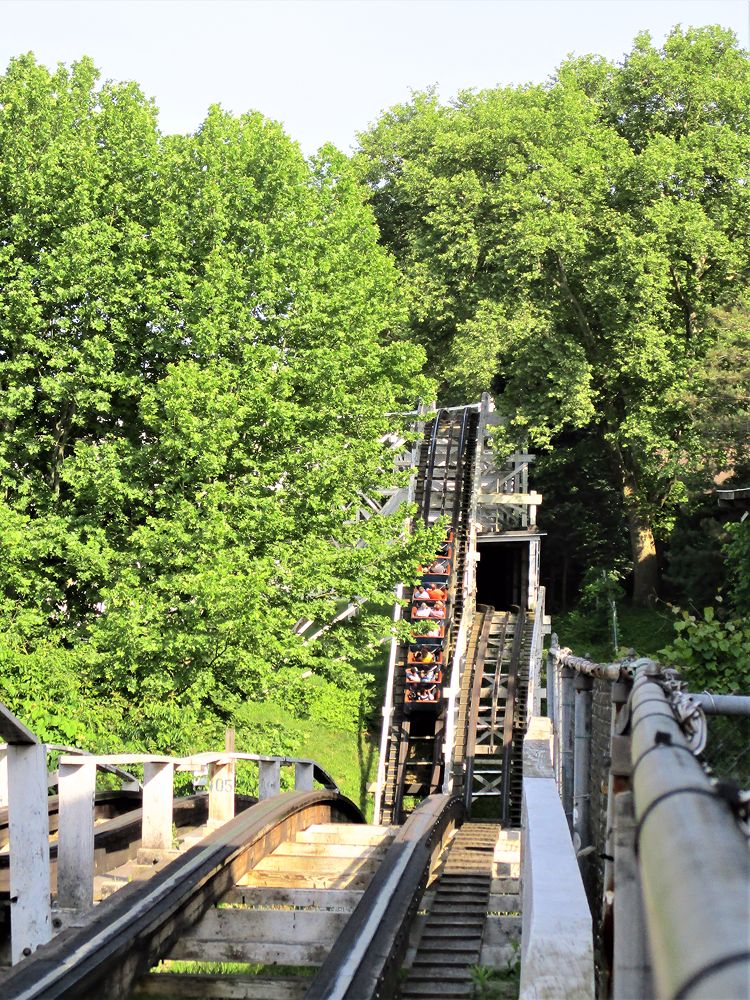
x: 322, y: 899
x: 301, y: 880
x: 158, y: 798
x: 511, y: 499
x: 313, y: 850
x: 156, y: 914
x: 237, y: 925
x: 344, y: 833
x: 31, y: 924
x: 207, y: 987
x: 290, y: 864
x: 75, y: 849
x: 269, y: 780
x: 276, y: 953
x: 504, y: 903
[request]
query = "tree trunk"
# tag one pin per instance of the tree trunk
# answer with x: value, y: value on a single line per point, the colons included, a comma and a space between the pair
x: 642, y: 546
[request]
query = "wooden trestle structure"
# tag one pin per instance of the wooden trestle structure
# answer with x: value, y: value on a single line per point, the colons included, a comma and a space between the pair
x: 420, y: 903
x: 469, y: 741
x: 299, y: 879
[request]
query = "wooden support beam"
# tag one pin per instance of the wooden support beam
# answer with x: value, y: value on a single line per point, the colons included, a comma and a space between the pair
x: 158, y: 781
x: 221, y: 781
x: 75, y: 852
x: 28, y: 820
x: 269, y: 782
x: 511, y: 499
x: 303, y: 776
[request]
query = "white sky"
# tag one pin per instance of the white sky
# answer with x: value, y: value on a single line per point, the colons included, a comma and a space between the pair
x: 326, y: 68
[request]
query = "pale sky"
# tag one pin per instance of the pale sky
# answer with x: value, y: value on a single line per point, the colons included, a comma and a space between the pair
x: 327, y: 68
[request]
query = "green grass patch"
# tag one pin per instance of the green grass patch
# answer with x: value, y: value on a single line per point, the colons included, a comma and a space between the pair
x: 646, y: 630
x: 349, y: 756
x: 184, y: 968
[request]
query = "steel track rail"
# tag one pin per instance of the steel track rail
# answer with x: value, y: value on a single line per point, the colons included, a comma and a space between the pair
x: 128, y: 933
x: 365, y: 960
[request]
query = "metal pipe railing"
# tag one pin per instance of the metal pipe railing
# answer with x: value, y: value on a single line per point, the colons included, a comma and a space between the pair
x: 694, y: 860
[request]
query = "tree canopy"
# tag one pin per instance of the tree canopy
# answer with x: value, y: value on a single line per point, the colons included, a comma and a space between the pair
x: 194, y: 391
x: 565, y: 245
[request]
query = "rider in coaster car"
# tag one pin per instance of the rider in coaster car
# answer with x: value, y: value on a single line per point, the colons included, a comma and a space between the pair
x: 422, y: 611
x: 421, y: 593
x: 438, y: 610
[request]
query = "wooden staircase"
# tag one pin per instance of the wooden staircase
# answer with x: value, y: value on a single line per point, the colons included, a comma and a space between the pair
x: 472, y: 916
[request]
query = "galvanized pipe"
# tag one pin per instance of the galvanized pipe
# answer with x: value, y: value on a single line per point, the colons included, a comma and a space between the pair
x: 694, y: 860
x: 631, y: 973
x: 723, y: 704
x: 583, y: 686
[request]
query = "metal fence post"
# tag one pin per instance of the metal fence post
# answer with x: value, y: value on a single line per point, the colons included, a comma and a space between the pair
x: 567, y: 723
x: 582, y: 762
x: 632, y: 970
x: 619, y: 694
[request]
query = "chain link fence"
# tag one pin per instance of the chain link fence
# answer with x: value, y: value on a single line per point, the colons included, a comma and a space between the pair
x: 727, y: 750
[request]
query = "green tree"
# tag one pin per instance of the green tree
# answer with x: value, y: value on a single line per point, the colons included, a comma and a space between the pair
x: 195, y: 395
x: 564, y: 244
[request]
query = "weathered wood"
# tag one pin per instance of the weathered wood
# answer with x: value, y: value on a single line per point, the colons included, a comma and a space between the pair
x: 301, y: 880
x: 313, y: 850
x: 29, y: 849
x: 321, y: 899
x: 221, y: 783
x: 514, y: 499
x: 13, y: 731
x: 349, y: 833
x: 236, y: 924
x: 276, y: 953
x: 303, y: 776
x: 3, y: 777
x: 157, y: 805
x: 207, y: 987
x: 290, y: 864
x: 269, y: 782
x: 145, y: 920
x: 75, y: 850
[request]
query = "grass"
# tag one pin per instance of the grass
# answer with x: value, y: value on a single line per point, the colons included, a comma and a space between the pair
x: 646, y: 630
x: 186, y: 968
x: 349, y: 756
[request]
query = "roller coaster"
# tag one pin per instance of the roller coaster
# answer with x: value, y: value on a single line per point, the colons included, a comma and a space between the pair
x: 300, y: 881
x: 295, y: 895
